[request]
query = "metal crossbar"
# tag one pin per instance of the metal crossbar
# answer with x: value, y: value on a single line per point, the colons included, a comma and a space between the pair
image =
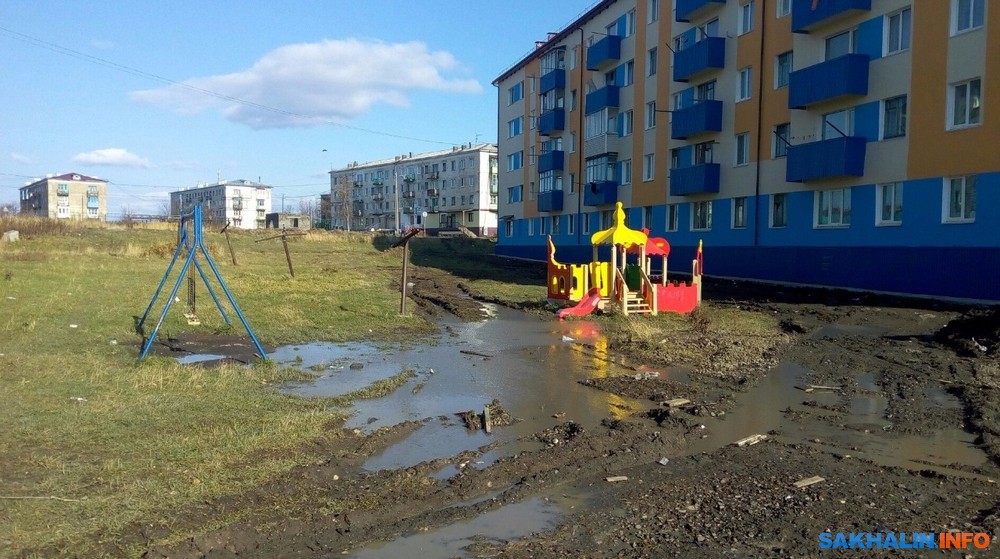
x: 189, y: 244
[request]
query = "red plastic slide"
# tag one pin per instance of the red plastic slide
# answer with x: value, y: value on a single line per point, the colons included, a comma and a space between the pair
x: 585, y: 306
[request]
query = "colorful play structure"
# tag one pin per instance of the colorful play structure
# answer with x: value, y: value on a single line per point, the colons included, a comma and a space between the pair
x: 626, y: 282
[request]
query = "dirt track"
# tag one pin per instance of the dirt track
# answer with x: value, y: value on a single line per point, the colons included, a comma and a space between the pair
x: 905, y: 435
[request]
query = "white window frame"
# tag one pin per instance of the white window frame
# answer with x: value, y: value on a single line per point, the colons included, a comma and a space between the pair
x: 509, y: 228
x: 836, y: 133
x: 515, y: 161
x: 784, y: 8
x: 833, y: 196
x: 708, y: 216
x: 585, y: 223
x: 742, y: 223
x: 672, y: 221
x: 629, y: 73
x: 571, y: 224
x: 515, y: 127
x: 742, y: 149
x: 778, y: 74
x: 746, y: 18
x: 648, y: 167
x: 650, y: 115
x: 905, y: 31
x: 771, y: 214
x: 628, y: 124
x: 946, y: 208
x: 626, y: 165
x: 744, y: 83
x: 531, y: 226
x: 953, y: 100
x: 652, y: 56
x: 515, y: 93
x: 902, y: 117
x: 955, y: 5
x: 894, y: 191
x: 779, y: 148
x: 653, y: 11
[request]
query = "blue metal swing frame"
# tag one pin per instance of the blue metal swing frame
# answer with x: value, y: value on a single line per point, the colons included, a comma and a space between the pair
x: 190, y: 244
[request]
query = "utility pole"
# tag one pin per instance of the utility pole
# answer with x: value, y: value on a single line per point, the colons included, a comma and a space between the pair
x: 395, y: 190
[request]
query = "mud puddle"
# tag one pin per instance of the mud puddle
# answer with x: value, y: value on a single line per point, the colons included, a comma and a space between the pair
x: 512, y: 521
x: 531, y: 366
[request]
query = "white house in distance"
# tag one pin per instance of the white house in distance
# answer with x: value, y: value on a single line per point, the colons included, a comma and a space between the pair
x: 68, y: 196
x: 241, y: 203
x: 436, y: 191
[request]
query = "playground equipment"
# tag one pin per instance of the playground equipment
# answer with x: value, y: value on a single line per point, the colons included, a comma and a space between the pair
x: 190, y: 243
x: 629, y: 286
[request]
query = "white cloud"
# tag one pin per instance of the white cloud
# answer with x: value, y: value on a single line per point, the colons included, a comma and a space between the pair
x: 313, y: 84
x: 115, y: 157
x: 20, y: 158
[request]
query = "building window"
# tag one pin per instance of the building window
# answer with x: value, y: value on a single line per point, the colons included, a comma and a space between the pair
x: 704, y: 92
x: 960, y: 199
x: 781, y: 137
x: 701, y: 215
x: 531, y: 227
x: 514, y: 194
x: 784, y: 8
x: 671, y: 218
x: 841, y: 44
x: 514, y: 161
x: 833, y: 207
x: 653, y: 12
x: 543, y: 226
x: 651, y: 62
x: 600, y: 169
x: 585, y: 223
x: 648, y: 162
x: 965, y: 103
x: 514, y: 127
x: 626, y: 171
x: 515, y: 93
x: 779, y: 210
x: 782, y: 69
x: 572, y: 142
x: 890, y: 203
x: 746, y: 17
x: 555, y: 224
x: 629, y: 73
x: 650, y: 115
x: 742, y: 149
x: 967, y: 14
x: 838, y: 124
x: 897, y: 33
x: 647, y: 217
x: 743, y: 93
x: 509, y: 228
x: 607, y: 219
x: 739, y: 212
x: 703, y: 153
x: 627, y: 123
x: 894, y: 117
x: 630, y: 23
x: 571, y: 224
x: 596, y: 124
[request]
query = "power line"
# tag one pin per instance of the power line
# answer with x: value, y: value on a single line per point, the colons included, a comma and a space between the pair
x: 143, y: 74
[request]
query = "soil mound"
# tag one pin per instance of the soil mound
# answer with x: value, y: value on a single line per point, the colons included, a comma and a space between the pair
x: 975, y: 333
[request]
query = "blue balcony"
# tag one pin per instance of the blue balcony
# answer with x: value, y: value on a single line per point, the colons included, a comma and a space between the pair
x: 551, y: 161
x: 810, y: 14
x: 554, y: 79
x: 606, y: 51
x: 696, y: 179
x: 551, y: 201
x: 704, y: 116
x: 842, y: 76
x: 93, y: 203
x: 693, y: 9
x: 552, y: 121
x: 836, y: 157
x: 704, y: 55
x: 605, y: 97
x: 600, y: 193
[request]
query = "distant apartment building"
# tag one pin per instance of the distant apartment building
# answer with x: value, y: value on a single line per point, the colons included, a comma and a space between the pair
x: 69, y: 196
x: 845, y: 143
x: 435, y: 191
x: 239, y: 203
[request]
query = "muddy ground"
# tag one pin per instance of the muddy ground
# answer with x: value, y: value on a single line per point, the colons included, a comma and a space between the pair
x: 879, y: 382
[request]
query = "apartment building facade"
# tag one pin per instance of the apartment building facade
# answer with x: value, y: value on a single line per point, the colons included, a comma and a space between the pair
x: 240, y: 203
x: 67, y: 196
x: 435, y: 191
x: 843, y: 143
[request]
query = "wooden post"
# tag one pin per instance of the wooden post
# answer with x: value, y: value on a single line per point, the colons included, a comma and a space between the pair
x: 288, y: 256
x: 230, y: 243
x: 402, y: 286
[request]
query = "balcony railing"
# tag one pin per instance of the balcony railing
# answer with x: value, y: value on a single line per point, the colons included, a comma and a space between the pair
x: 836, y: 157
x: 552, y: 121
x: 807, y: 15
x: 602, y: 98
x: 707, y: 54
x: 551, y: 201
x: 433, y: 175
x: 432, y: 192
x: 695, y: 179
x: 686, y: 10
x: 704, y: 116
x: 377, y: 182
x: 600, y: 193
x: 553, y: 79
x: 843, y: 76
x: 378, y: 197
x: 605, y: 52
x: 551, y: 161
x: 601, y: 144
x: 409, y: 194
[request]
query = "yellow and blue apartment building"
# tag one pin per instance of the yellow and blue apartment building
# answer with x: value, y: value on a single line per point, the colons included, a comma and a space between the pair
x: 839, y: 143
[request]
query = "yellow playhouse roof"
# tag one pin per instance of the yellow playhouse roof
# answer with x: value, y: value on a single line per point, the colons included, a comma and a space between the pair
x: 618, y: 233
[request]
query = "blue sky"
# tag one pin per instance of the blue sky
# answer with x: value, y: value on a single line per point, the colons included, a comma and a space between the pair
x: 158, y: 96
